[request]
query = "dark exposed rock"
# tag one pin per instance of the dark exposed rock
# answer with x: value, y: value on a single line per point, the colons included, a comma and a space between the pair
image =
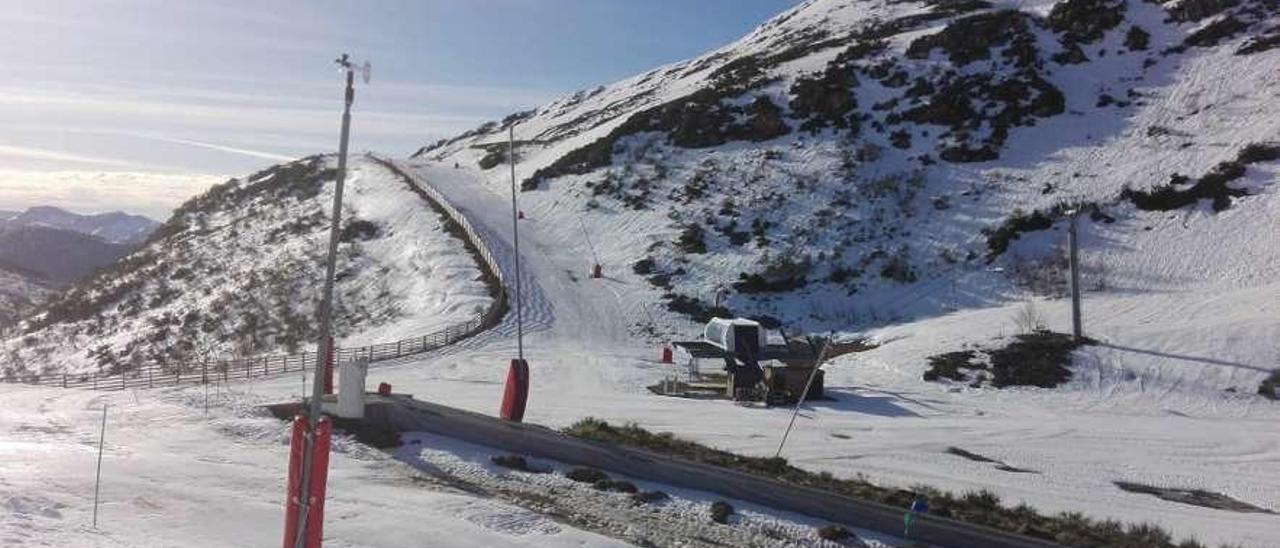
x: 1179, y: 192
x: 972, y: 38
x: 961, y: 154
x: 1196, y: 10
x: 1137, y: 39
x: 720, y: 511
x: 1268, y: 40
x: 1085, y: 21
x: 586, y: 475
x: 826, y: 100
x: 1215, y: 32
x: 1071, y: 54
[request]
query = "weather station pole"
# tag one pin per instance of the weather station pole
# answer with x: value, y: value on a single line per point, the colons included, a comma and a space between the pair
x: 515, y: 237
x: 324, y: 347
x: 515, y: 396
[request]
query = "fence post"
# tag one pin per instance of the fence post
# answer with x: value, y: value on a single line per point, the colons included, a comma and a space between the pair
x: 398, y: 343
x: 151, y: 372
x: 204, y: 372
x: 265, y: 370
x: 64, y: 380
x: 95, y: 380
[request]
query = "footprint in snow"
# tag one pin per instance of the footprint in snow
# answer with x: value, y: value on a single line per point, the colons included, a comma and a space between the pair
x: 509, y: 520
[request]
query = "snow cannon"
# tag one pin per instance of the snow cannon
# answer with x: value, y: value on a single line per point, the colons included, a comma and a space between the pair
x: 516, y: 394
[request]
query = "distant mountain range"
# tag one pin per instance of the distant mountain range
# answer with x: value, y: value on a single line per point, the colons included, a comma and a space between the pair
x: 45, y: 249
x: 116, y: 227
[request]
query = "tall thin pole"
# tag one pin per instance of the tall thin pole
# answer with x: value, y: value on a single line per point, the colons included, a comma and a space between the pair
x: 822, y: 354
x: 1073, y: 242
x: 515, y: 236
x: 323, y: 348
x: 97, y: 482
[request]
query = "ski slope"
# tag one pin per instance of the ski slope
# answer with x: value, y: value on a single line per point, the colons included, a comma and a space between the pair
x: 1149, y: 405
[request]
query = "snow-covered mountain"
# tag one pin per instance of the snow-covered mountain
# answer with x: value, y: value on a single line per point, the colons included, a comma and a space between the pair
x: 902, y: 172
x: 236, y: 271
x: 850, y: 162
x: 115, y: 227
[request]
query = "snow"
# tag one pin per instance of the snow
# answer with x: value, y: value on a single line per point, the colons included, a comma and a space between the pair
x: 176, y: 476
x: 254, y: 267
x: 1187, y: 322
x: 1148, y: 405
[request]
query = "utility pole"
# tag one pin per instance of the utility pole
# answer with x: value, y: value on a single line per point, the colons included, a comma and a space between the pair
x: 1073, y: 243
x: 324, y: 349
x: 515, y: 237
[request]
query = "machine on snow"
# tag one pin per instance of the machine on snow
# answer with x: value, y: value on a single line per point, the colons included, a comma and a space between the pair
x: 742, y: 345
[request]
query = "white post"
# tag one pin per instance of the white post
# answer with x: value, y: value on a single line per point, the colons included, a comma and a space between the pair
x: 97, y: 482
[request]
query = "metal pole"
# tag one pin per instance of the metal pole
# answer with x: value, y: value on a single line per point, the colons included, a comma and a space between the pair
x: 326, y: 307
x: 1073, y: 242
x: 97, y: 482
x: 822, y: 354
x: 515, y: 236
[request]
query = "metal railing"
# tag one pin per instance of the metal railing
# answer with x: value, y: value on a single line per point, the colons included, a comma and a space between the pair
x: 259, y: 367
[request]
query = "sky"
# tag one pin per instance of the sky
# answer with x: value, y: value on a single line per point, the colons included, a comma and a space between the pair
x: 136, y: 105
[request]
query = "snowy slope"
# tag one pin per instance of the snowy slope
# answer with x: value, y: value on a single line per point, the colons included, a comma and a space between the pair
x: 174, y: 475
x: 20, y: 291
x: 815, y: 216
x: 236, y: 272
x: 1182, y: 300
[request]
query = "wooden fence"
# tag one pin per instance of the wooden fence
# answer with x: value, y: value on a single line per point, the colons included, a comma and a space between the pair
x: 258, y: 367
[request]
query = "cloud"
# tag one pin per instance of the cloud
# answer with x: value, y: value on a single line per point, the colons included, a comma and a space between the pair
x: 32, y: 153
x: 220, y: 148
x: 152, y: 194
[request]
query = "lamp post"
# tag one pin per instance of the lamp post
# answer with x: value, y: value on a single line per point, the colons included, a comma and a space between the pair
x: 324, y: 347
x: 1073, y: 259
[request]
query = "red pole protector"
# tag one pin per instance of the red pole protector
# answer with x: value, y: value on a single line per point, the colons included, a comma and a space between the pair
x: 520, y: 214
x: 319, y: 479
x: 384, y: 389
x: 517, y: 392
x: 296, y: 446
x: 666, y: 355
x: 328, y: 368
x: 597, y: 272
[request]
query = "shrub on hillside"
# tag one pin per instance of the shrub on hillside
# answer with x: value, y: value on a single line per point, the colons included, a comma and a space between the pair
x: 951, y: 364
x: 692, y: 239
x: 1033, y: 359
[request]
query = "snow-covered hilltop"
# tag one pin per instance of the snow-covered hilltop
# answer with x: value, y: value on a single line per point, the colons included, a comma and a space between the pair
x: 237, y: 270
x: 855, y: 161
